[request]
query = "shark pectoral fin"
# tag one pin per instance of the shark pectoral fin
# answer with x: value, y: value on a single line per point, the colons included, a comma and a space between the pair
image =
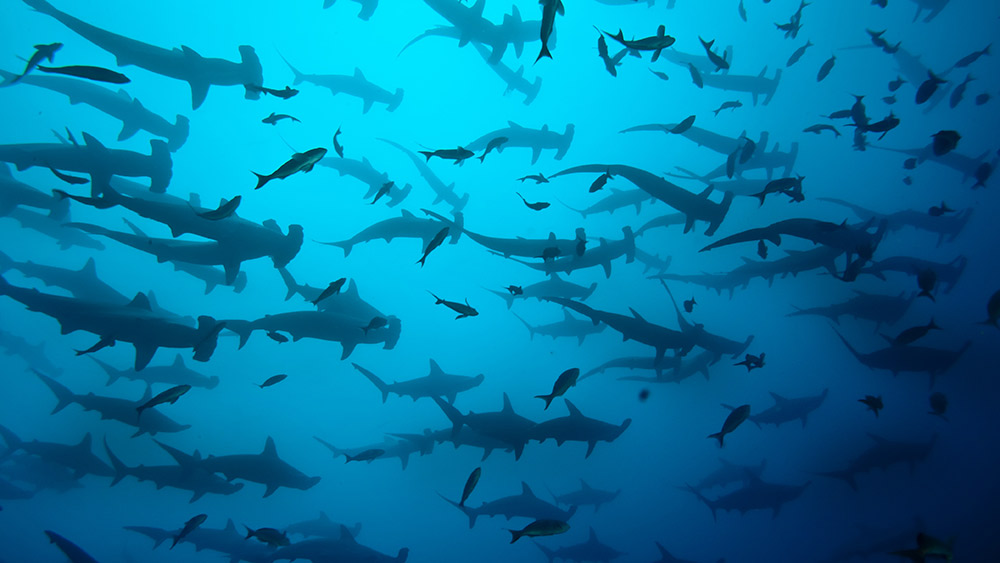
x: 199, y: 91
x: 348, y: 348
x: 271, y: 487
x: 535, y: 153
x: 368, y: 105
x: 143, y: 355
x: 590, y: 448
x: 232, y: 270
x: 128, y: 129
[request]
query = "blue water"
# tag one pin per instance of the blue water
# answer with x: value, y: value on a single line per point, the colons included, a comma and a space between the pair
x: 452, y: 97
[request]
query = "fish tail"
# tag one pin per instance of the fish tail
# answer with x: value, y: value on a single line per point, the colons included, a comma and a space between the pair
x: 543, y: 53
x: 261, y: 180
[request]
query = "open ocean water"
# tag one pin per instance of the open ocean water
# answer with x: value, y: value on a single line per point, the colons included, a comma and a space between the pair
x: 788, y: 234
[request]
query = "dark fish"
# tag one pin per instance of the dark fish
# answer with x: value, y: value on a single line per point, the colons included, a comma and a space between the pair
x: 945, y: 142
x: 611, y: 64
x: 643, y: 395
x: 873, y: 403
x: 434, y: 243
x: 300, y: 162
x: 992, y: 310
x: 733, y: 421
x: 728, y: 105
x: 982, y: 174
x: 458, y: 154
x: 515, y: 289
x: 939, y: 404
x: 683, y: 126
x: 224, y: 210
x: 895, y: 84
x: 696, y: 76
x: 463, y: 309
x: 824, y: 70
x: 908, y: 181
x: 189, y: 527
x: 169, y: 396
x: 928, y: 88
x: 689, y: 305
x: 72, y: 180
x: 959, y: 92
x: 41, y: 53
x: 284, y: 93
x: 495, y: 143
x: 655, y: 43
x: 104, y: 342
x: 752, y: 362
x: 926, y: 281
x: 798, y: 54
x: 912, y: 334
x: 274, y: 379
x: 742, y: 11
x: 820, y: 127
x: 889, y: 100
x: 660, y: 75
x: 762, y: 249
x: 269, y: 536
x: 375, y: 324
x: 939, y: 210
x: 719, y: 62
x: 539, y: 528
x: 274, y: 118
x: 534, y: 206
x: 331, y: 289
x: 538, y: 178
x: 383, y: 191
x: 277, y: 337
x: 565, y: 380
x: 337, y: 147
x: 982, y: 98
x: 549, y: 10
x: 470, y: 484
x: 972, y: 57
x: 910, y: 163
x: 95, y: 73
x: 600, y: 181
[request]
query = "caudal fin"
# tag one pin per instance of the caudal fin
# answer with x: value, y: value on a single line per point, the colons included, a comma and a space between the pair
x: 64, y: 396
x: 375, y: 381
x: 261, y: 180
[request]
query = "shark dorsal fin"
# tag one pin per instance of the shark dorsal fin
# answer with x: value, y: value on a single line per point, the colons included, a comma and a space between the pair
x: 90, y: 268
x: 567, y: 317
x: 178, y: 361
x: 140, y: 301
x: 91, y: 142
x: 85, y: 443
x: 230, y: 526
x: 269, y: 448
x: 358, y: 73
x: 526, y: 490
x: 345, y: 535
x: 407, y: 214
x: 352, y: 289
x: 507, y: 407
x: 147, y: 394
x: 584, y: 485
x: 592, y: 538
x: 778, y: 398
x: 573, y: 411
x: 323, y: 516
x: 552, y: 236
x: 636, y: 314
x: 435, y: 369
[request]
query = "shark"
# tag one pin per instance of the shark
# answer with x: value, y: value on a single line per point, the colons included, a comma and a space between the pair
x: 344, y: 548
x: 602, y: 255
x: 525, y: 137
x: 553, y: 286
x: 788, y: 410
x: 176, y: 373
x: 436, y: 384
x: 364, y: 171
x: 878, y: 308
x: 367, y: 7
x: 390, y: 447
x: 445, y: 193
x: 14, y: 194
x: 321, y: 526
x: 407, y: 225
x: 575, y: 427
x: 909, y: 358
x: 569, y: 327
x: 882, y: 454
x: 757, y: 494
x: 34, y: 354
x: 587, y: 496
x: 265, y: 468
x: 590, y: 550
x: 355, y: 85
x: 79, y: 457
x: 525, y: 505
x: 520, y: 246
x: 198, y: 481
x: 757, y: 86
x: 182, y: 63
x: 505, y: 426
x: 321, y: 325
x: 514, y: 79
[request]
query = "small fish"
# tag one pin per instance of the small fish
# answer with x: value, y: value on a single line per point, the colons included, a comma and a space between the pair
x: 820, y: 127
x: 752, y: 362
x: 889, y: 100
x: 982, y: 99
x: 470, y: 484
x: 733, y: 421
x: 463, y: 309
x: 824, y: 70
x: 458, y: 154
x: 269, y: 536
x: 798, y: 54
x: 927, y: 281
x: 910, y: 163
x: 939, y: 210
x: 383, y: 191
x: 689, y: 305
x: 945, y: 142
x: 643, y: 395
x: 189, y: 527
x: 375, y: 324
x: 873, y: 403
x: 41, y: 53
x: 734, y: 104
x: 600, y: 181
x: 908, y: 180
x: 959, y: 92
x: 225, y: 210
x: 660, y: 75
x: 538, y: 178
x: 104, y: 342
x: 912, y: 334
x: 719, y: 62
x: 515, y: 289
x: 742, y: 11
x: 929, y: 87
x: 434, y: 243
x: 696, y: 76
x: 982, y: 174
x: 274, y: 118
x: 495, y: 143
x: 972, y: 57
x: 300, y: 162
x: 683, y: 126
x: 550, y: 253
x: 565, y: 380
x: 611, y: 64
x: 539, y: 528
x: 169, y: 396
x: 762, y: 249
x: 72, y: 180
x: 331, y: 289
x: 274, y: 379
x: 549, y: 10
x: 895, y: 84
x: 284, y: 93
x: 939, y: 405
x: 277, y: 337
x: 366, y: 456
x: 94, y: 73
x: 337, y: 147
x: 538, y: 206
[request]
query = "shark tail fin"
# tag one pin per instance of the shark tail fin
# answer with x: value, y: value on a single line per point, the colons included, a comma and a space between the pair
x: 299, y: 76
x: 203, y: 350
x: 121, y: 471
x: 375, y: 381
x: 470, y: 512
x: 64, y: 396
x: 290, y: 284
x: 548, y: 552
x: 547, y: 398
x: 242, y: 328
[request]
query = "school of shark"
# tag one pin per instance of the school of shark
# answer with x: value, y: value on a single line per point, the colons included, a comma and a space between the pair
x: 683, y: 274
